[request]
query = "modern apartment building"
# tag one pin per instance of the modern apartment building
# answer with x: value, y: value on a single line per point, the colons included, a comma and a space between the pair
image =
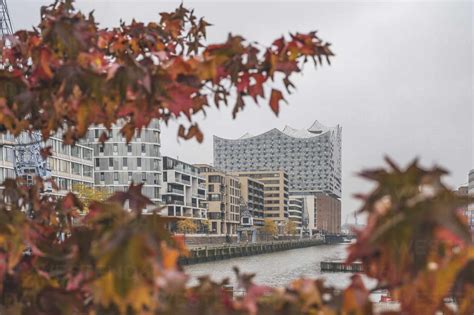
x: 309, y: 215
x: 322, y: 211
x: 296, y: 211
x: 117, y: 164
x: 311, y: 157
x: 184, y: 192
x: 276, y: 193
x: 223, y: 200
x: 252, y: 192
x: 70, y: 165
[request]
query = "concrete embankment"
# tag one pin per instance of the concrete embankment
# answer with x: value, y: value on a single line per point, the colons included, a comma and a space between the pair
x: 220, y: 252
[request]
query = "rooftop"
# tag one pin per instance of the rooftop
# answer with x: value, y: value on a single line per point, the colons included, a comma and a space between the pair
x: 316, y: 129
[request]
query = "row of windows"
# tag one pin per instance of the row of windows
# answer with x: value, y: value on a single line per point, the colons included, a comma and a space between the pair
x: 79, y: 152
x: 58, y: 165
x: 126, y: 178
x: 119, y: 148
x: 150, y: 192
x: 118, y: 163
x: 115, y: 135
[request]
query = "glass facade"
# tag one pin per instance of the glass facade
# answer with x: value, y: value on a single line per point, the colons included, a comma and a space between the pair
x: 311, y: 157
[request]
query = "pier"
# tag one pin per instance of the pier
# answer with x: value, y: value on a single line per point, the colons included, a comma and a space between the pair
x: 227, y: 251
x: 340, y: 266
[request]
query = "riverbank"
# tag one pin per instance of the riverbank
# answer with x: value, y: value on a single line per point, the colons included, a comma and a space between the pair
x: 277, y: 269
x: 227, y: 251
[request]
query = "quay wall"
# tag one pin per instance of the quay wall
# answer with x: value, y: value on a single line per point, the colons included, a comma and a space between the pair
x: 228, y: 251
x: 202, y: 240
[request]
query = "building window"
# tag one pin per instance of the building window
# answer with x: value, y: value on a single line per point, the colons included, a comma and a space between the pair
x: 115, y: 147
x: 129, y: 176
x: 96, y: 133
x: 76, y: 152
x: 129, y: 148
x: 143, y: 148
x: 125, y: 162
x: 87, y: 154
x: 64, y: 166
x: 139, y: 162
x: 97, y: 162
x: 87, y: 172
x: 116, y: 177
x: 111, y: 162
x: 102, y: 177
x: 144, y: 177
x: 76, y: 169
x: 101, y: 148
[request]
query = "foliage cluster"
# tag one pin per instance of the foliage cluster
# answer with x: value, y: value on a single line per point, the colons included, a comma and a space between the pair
x: 270, y: 227
x: 186, y: 226
x: 291, y: 228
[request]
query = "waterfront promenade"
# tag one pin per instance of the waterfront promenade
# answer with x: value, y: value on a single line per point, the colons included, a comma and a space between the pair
x: 200, y: 254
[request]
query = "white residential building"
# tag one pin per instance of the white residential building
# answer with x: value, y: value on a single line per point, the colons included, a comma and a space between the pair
x: 117, y: 164
x: 308, y: 214
x: 184, y: 192
x: 296, y: 211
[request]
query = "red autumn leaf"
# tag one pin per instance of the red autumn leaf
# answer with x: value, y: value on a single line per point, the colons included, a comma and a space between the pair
x: 275, y: 99
x: 43, y: 70
x: 179, y: 99
x: 243, y: 83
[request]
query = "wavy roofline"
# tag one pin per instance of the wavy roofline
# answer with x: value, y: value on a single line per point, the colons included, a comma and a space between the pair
x: 314, y: 131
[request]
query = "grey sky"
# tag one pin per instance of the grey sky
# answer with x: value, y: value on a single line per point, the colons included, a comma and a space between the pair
x: 400, y: 84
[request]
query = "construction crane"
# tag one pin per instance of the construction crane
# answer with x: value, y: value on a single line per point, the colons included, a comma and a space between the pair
x: 5, y: 21
x: 28, y: 162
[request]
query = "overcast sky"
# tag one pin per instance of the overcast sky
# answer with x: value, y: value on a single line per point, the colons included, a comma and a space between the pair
x: 400, y: 84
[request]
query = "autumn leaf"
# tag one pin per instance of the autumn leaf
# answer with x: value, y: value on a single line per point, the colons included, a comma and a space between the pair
x: 275, y: 98
x: 192, y: 132
x: 136, y: 200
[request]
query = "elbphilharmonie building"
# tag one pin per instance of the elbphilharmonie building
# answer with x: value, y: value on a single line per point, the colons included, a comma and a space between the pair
x: 311, y: 157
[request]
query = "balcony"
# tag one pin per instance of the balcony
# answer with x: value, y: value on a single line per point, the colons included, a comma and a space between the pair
x: 175, y: 191
x: 174, y: 202
x: 183, y: 181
